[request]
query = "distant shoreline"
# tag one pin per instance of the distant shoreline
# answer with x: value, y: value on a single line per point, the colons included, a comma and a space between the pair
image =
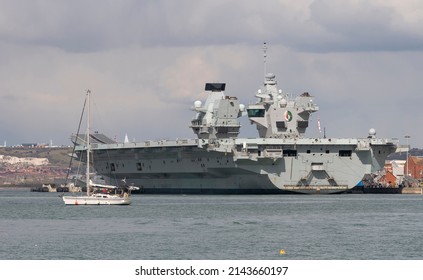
x: 9, y: 187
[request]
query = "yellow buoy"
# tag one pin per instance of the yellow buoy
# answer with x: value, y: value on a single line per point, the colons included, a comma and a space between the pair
x: 282, y: 252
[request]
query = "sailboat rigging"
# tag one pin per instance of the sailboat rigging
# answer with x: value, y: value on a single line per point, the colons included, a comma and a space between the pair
x: 98, y: 194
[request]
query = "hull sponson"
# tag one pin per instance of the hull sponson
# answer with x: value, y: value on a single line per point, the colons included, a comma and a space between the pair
x: 249, y: 166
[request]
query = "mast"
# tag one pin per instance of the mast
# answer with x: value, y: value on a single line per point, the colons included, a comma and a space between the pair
x: 88, y: 144
x: 264, y: 57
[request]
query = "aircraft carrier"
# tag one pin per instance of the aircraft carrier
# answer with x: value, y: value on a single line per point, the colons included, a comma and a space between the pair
x: 280, y: 160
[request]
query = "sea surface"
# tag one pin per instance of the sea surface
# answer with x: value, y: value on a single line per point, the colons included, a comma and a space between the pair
x: 38, y: 226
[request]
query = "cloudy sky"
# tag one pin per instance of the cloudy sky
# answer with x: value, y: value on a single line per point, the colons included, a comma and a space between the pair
x: 146, y: 62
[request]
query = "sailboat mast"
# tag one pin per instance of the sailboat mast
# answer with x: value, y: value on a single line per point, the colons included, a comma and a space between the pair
x: 88, y: 144
x: 264, y: 58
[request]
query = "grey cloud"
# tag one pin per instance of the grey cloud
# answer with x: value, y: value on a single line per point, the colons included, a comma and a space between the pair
x: 147, y: 59
x: 321, y: 26
x: 361, y: 26
x: 79, y: 26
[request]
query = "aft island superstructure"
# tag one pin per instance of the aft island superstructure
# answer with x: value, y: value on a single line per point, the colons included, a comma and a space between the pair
x: 280, y: 160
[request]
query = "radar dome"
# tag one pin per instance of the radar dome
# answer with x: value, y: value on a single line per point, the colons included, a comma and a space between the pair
x: 270, y: 76
x: 242, y: 107
x: 372, y: 132
x: 197, y: 104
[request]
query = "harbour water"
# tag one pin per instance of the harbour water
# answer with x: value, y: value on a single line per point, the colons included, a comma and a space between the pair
x: 38, y: 226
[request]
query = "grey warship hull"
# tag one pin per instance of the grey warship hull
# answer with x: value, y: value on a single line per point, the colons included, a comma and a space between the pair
x: 267, y: 166
x: 280, y: 160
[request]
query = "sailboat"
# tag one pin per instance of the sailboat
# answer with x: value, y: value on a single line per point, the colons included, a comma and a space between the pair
x: 98, y: 194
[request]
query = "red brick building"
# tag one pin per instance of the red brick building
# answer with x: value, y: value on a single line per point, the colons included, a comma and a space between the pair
x: 388, y: 179
x: 415, y: 167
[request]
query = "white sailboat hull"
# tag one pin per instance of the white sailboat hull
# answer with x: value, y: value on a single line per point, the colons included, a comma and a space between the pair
x: 94, y: 200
